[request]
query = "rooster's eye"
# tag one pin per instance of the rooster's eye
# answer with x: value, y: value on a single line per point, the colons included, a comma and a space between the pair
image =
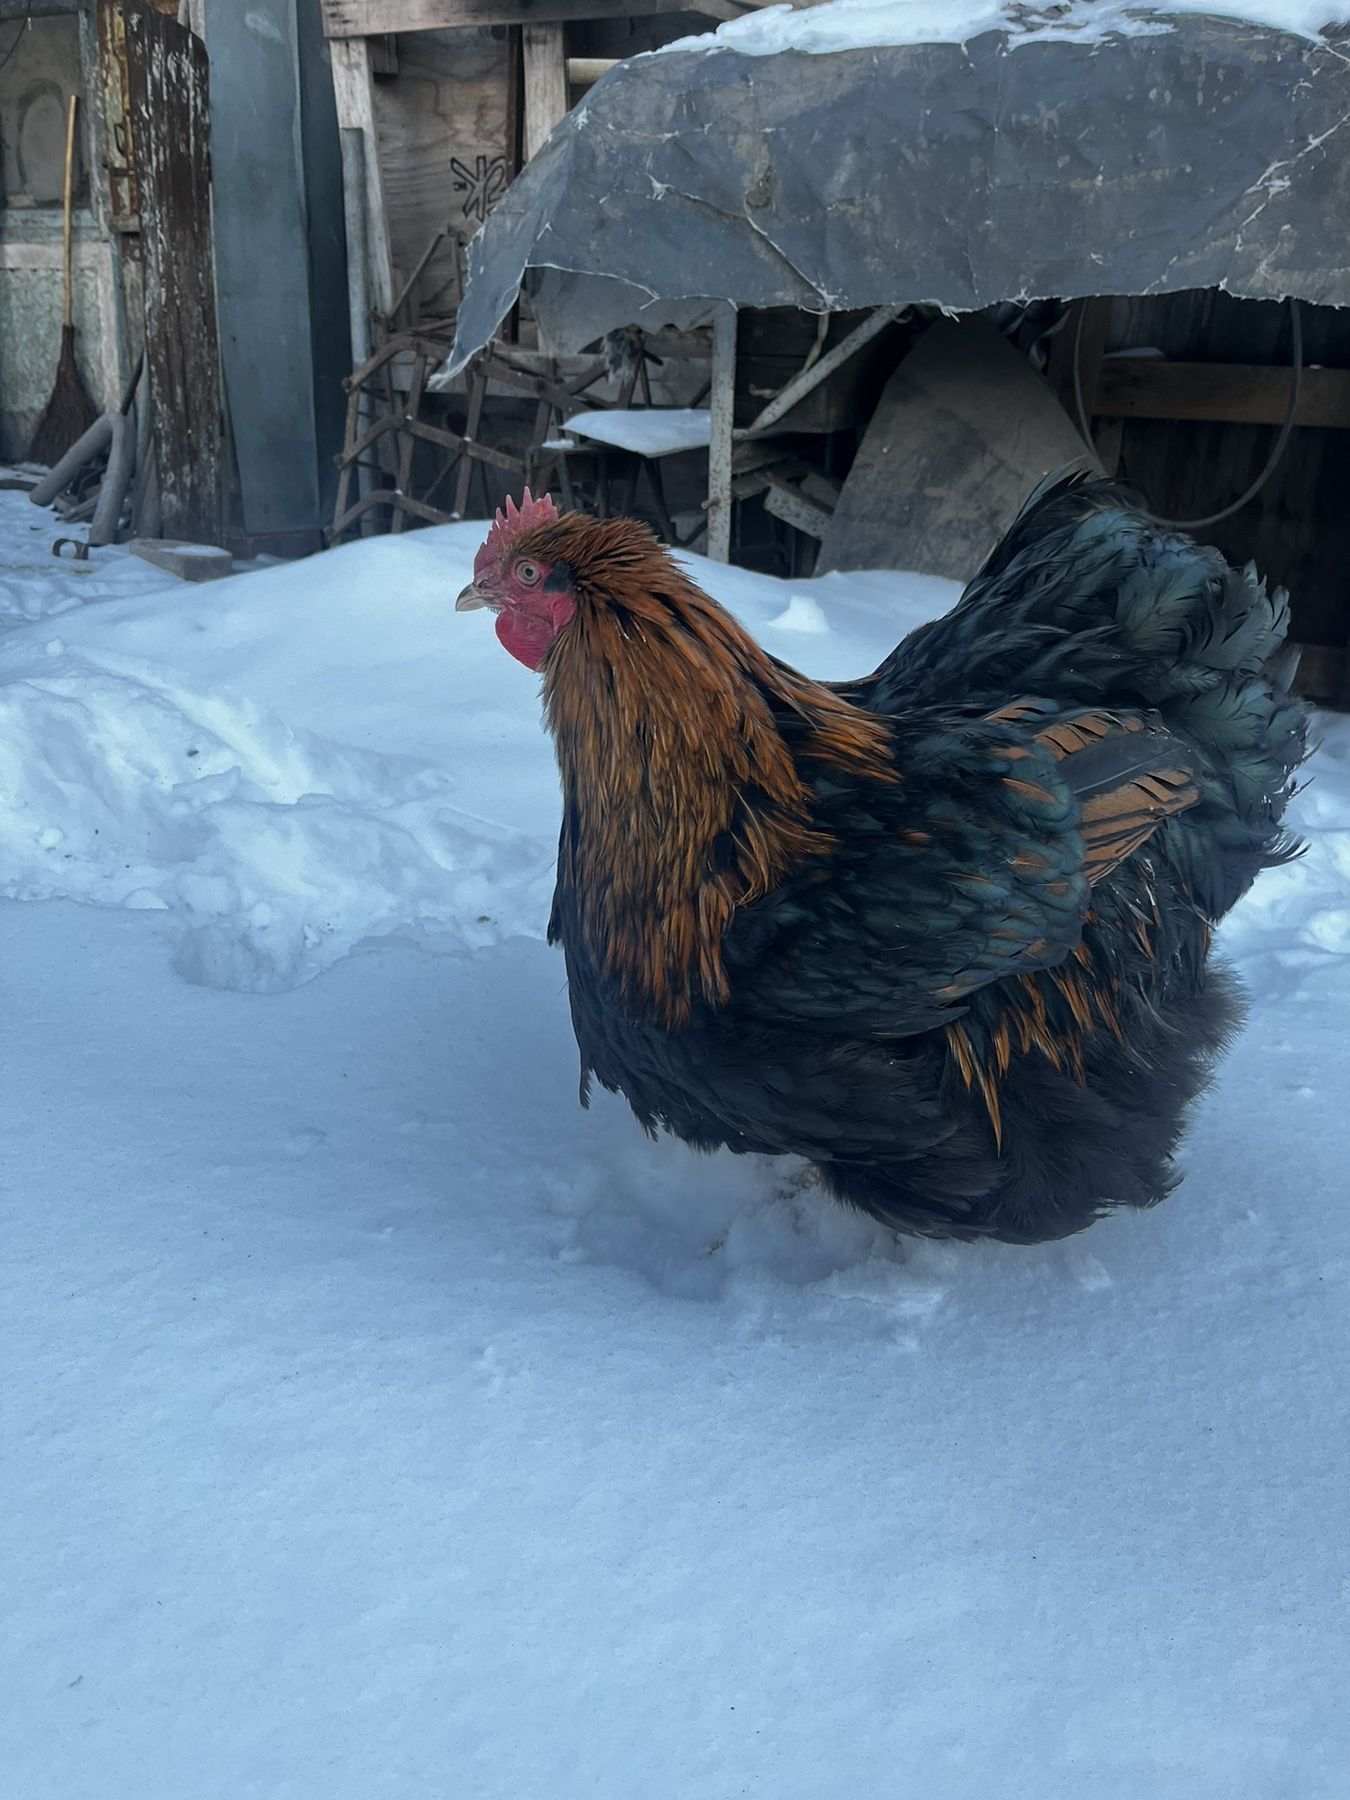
x: 527, y: 572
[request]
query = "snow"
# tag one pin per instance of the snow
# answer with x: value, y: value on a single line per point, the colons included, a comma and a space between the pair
x: 868, y: 24
x: 377, y: 1425
x: 802, y: 613
x: 655, y: 431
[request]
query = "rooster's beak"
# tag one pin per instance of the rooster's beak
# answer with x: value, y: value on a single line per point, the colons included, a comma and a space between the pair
x: 472, y: 598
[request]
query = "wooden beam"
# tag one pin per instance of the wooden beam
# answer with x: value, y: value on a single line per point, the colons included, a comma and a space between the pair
x: 354, y: 97
x: 386, y: 497
x: 810, y: 378
x: 585, y: 71
x: 795, y: 508
x: 1130, y: 387
x: 384, y: 58
x: 498, y: 369
x: 371, y: 18
x: 545, y: 84
x: 721, y: 436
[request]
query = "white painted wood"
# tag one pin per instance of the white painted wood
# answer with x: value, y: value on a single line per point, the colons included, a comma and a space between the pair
x: 720, y: 444
x: 545, y: 84
x: 372, y: 18
x: 585, y: 71
x: 354, y: 96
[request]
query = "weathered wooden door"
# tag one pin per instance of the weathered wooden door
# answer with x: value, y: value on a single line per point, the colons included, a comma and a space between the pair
x: 167, y: 149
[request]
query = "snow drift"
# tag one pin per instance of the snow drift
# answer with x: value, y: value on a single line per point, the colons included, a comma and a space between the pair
x: 376, y: 1425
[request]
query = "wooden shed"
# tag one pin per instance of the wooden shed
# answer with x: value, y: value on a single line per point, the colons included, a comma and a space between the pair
x: 1141, y: 219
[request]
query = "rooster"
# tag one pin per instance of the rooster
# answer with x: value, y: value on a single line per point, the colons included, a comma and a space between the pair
x: 944, y: 932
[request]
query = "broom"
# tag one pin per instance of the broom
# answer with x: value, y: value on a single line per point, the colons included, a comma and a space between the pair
x: 70, y: 412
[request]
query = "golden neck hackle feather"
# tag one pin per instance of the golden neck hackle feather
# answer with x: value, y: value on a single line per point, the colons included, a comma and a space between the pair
x: 683, y: 799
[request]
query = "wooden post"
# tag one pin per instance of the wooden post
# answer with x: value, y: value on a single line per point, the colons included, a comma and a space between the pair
x: 723, y: 404
x: 354, y: 96
x: 170, y: 129
x: 358, y: 298
x: 545, y: 84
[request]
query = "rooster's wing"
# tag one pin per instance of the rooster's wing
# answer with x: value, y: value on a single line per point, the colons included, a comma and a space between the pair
x: 977, y: 864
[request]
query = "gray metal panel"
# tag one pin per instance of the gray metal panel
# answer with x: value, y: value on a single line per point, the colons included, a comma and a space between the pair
x: 265, y: 260
x: 1204, y: 154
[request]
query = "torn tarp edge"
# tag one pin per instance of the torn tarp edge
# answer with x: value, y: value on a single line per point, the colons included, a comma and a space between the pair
x: 1210, y: 154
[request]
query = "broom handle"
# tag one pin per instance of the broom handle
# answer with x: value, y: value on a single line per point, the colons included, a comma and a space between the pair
x: 69, y: 316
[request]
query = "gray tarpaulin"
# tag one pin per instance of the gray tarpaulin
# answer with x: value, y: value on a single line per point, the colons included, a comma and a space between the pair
x: 1203, y: 154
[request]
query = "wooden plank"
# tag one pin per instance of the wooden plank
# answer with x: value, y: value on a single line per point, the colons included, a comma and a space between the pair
x: 118, y: 148
x: 1081, y: 341
x: 1219, y: 393
x: 386, y: 497
x: 358, y: 255
x: 811, y: 377
x: 370, y: 18
x: 353, y: 142
x: 795, y: 508
x: 352, y: 452
x: 483, y: 453
x: 170, y: 114
x: 447, y: 147
x: 500, y: 372
x: 721, y: 436
x: 354, y: 97
x: 384, y: 57
x: 963, y: 431
x: 545, y: 84
x: 407, y: 293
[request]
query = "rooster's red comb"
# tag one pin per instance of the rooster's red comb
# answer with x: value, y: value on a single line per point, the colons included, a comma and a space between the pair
x: 510, y: 523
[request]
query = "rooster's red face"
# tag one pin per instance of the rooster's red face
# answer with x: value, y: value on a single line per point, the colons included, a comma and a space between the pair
x: 532, y: 596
